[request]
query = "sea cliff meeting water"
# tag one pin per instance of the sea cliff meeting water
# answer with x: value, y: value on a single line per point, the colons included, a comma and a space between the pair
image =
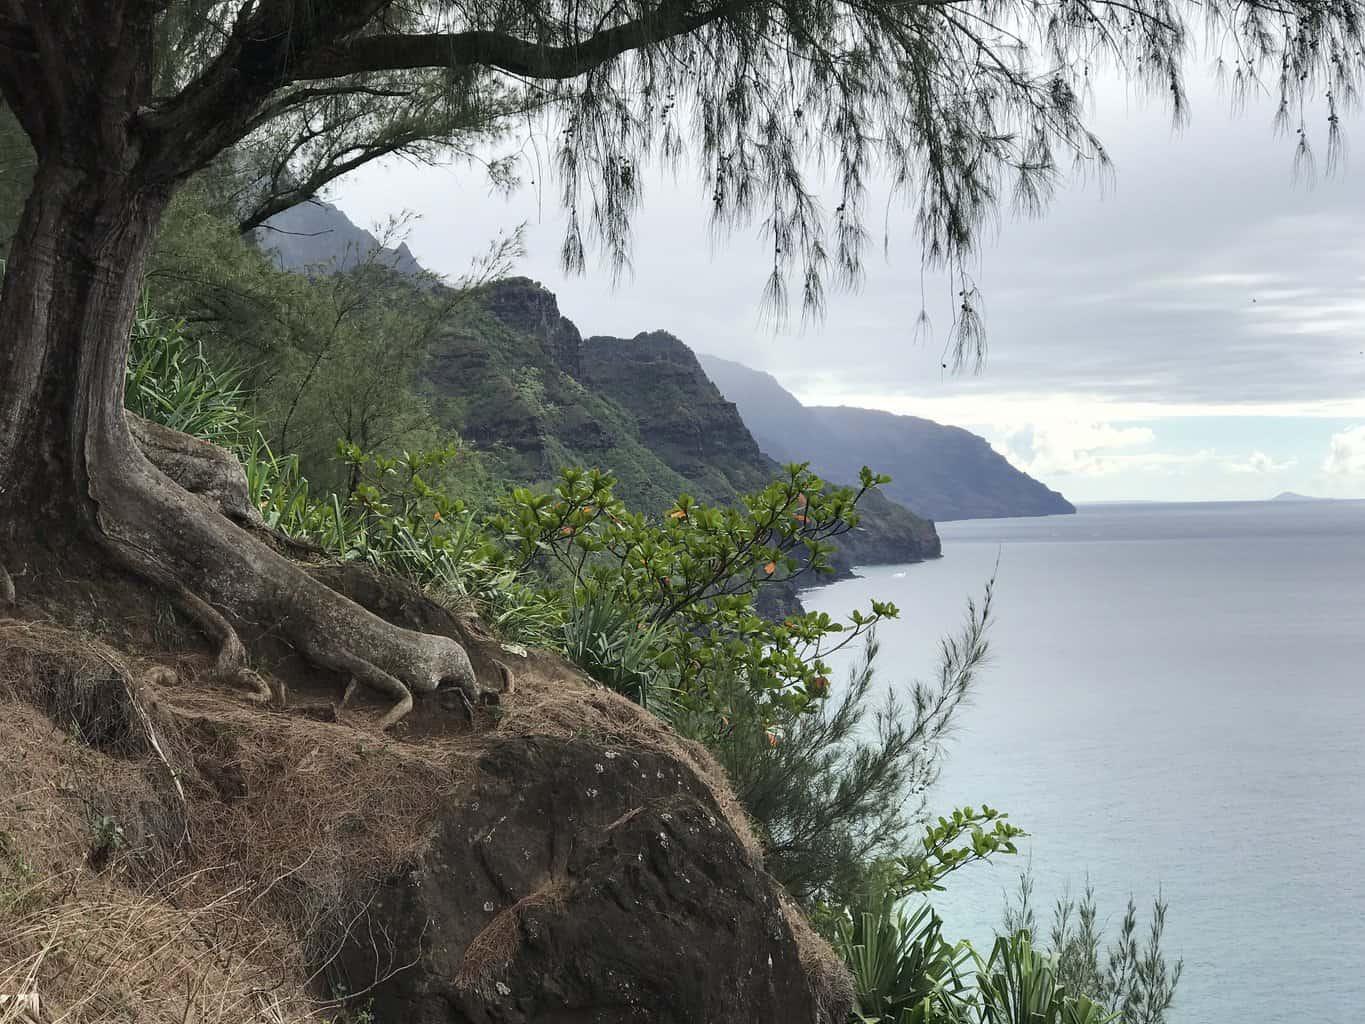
x: 1176, y: 701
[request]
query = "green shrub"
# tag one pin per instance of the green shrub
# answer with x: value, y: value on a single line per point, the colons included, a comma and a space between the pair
x: 839, y: 786
x: 1134, y: 979
x: 1019, y: 985
x: 904, y: 971
x: 170, y: 380
x: 691, y: 577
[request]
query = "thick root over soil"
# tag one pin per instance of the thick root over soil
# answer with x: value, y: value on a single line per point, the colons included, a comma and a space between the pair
x: 177, y: 512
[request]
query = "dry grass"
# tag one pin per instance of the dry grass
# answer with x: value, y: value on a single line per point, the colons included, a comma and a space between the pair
x: 495, y: 946
x: 170, y: 854
x: 99, y: 952
x: 248, y: 840
x: 325, y: 810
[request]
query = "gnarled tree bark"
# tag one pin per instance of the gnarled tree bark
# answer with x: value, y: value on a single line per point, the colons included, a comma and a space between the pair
x: 72, y: 471
x: 79, y: 77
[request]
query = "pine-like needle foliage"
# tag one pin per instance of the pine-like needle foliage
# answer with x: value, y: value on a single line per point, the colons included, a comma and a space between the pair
x: 830, y: 792
x: 788, y: 109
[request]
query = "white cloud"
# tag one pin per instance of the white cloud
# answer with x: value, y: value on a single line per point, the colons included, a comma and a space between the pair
x: 1346, y: 453
x: 1260, y: 462
x: 1008, y: 409
x: 1073, y: 447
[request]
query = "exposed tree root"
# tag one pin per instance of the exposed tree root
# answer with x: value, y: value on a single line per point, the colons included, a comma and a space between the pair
x: 177, y: 512
x: 230, y: 665
x: 203, y: 469
x: 362, y: 672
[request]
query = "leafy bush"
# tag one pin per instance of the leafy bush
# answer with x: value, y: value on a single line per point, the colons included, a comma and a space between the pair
x: 692, y: 576
x: 826, y: 794
x: 170, y: 380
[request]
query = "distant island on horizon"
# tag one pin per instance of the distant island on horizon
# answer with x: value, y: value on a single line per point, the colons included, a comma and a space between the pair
x: 1296, y: 496
x: 1283, y: 496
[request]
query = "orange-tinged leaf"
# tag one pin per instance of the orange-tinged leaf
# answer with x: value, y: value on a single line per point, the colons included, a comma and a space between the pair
x: 773, y: 739
x: 770, y: 568
x: 801, y: 500
x: 567, y: 531
x: 819, y: 684
x: 678, y: 513
x: 436, y: 516
x: 800, y: 518
x: 587, y: 510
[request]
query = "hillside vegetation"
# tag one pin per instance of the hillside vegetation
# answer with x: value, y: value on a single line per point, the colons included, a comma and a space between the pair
x: 645, y: 801
x: 502, y: 368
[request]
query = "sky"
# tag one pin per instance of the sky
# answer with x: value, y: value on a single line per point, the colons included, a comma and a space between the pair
x: 1192, y: 329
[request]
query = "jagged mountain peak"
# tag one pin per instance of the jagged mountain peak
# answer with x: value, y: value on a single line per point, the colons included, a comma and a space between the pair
x: 318, y: 234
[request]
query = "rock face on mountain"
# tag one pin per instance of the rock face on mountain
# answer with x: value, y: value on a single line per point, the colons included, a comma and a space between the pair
x: 681, y: 415
x: 514, y: 376
x: 687, y: 422
x: 502, y: 375
x: 939, y: 471
x: 522, y: 305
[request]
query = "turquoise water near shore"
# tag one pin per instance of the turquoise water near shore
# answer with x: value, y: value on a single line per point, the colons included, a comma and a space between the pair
x: 1176, y: 701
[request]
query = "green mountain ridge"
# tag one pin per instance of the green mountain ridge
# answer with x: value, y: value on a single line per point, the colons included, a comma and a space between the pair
x: 940, y: 471
x: 515, y: 377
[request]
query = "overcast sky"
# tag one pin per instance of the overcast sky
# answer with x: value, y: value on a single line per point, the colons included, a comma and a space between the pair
x: 1195, y: 330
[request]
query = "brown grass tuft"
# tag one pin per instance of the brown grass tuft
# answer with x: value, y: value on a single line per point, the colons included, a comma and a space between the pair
x: 495, y: 946
x: 830, y: 981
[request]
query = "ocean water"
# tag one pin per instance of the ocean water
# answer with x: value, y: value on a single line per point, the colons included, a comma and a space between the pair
x: 1176, y: 701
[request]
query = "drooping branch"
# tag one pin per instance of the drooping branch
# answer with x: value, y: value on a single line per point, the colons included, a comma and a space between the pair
x: 319, y: 135
x: 293, y: 41
x: 511, y: 54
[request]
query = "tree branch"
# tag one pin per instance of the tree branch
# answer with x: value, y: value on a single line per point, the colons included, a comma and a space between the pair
x: 285, y: 104
x: 278, y: 43
x: 509, y: 53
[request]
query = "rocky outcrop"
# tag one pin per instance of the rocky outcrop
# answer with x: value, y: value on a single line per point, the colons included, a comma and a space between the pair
x: 524, y: 305
x: 578, y: 879
x: 680, y: 414
x: 563, y: 858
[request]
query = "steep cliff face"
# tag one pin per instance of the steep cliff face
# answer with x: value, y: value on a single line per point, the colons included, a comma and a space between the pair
x: 502, y: 376
x: 515, y: 377
x: 683, y: 417
x: 680, y: 414
x: 939, y: 471
x: 521, y: 304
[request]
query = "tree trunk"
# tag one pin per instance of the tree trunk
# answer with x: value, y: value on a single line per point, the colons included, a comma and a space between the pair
x: 71, y: 469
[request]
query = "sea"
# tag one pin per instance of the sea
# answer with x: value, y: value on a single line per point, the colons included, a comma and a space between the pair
x: 1175, y: 704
